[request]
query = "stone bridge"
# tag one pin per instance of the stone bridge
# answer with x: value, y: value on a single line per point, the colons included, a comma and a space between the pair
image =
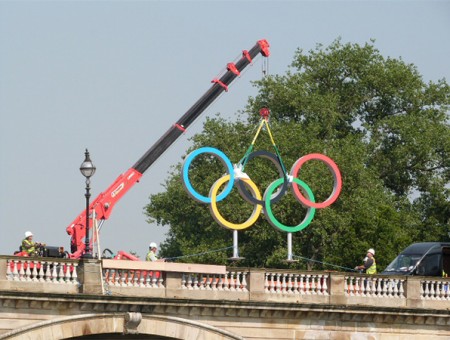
x: 108, y: 299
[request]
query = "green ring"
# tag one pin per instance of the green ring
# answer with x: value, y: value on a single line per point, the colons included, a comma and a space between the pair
x: 272, y: 219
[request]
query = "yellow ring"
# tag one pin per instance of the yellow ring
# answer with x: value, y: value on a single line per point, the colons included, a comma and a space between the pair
x: 218, y: 217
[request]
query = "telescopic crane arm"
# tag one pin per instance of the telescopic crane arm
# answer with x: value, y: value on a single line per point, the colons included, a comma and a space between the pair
x: 106, y: 201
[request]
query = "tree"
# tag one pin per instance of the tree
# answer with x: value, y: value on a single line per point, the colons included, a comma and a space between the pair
x: 387, y: 130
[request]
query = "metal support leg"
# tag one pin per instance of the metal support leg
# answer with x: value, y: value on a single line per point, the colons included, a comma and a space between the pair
x: 289, y: 245
x: 236, y: 256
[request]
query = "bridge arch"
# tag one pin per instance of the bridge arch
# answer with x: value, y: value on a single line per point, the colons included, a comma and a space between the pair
x: 97, y: 326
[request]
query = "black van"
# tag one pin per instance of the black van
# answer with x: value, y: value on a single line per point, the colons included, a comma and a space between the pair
x: 424, y: 259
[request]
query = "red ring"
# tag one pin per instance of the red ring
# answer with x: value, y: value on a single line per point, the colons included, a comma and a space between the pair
x: 334, y: 170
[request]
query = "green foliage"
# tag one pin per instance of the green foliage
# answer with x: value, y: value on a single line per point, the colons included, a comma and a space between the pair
x: 387, y: 130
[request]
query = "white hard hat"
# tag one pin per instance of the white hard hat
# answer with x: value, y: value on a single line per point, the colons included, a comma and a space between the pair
x: 28, y: 234
x: 372, y: 251
x: 153, y: 245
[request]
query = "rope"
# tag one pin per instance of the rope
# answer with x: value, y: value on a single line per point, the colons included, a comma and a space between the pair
x: 275, y: 147
x: 325, y: 263
x: 198, y: 254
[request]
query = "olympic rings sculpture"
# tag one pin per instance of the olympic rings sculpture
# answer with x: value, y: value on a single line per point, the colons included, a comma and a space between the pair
x: 250, y: 192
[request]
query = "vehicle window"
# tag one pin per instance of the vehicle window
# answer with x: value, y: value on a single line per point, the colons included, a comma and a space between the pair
x: 403, y: 263
x: 429, y: 266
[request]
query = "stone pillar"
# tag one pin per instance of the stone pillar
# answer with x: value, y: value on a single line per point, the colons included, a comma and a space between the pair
x: 3, y: 264
x: 337, y: 293
x: 90, y: 276
x: 173, y: 284
x: 412, y: 292
x: 256, y: 285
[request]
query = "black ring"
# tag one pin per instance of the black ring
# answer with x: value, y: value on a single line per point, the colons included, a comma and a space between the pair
x: 280, y: 192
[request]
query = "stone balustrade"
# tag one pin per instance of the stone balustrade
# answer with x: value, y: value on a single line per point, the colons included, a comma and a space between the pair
x: 435, y: 289
x: 374, y: 286
x: 209, y: 282
x: 41, y: 270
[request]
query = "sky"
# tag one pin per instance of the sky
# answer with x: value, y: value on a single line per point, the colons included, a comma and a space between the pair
x: 113, y: 76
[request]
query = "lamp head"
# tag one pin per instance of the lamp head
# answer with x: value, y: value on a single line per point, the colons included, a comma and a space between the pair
x: 87, y: 168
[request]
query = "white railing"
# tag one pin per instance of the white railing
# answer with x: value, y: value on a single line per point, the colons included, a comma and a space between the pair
x: 35, y: 270
x: 133, y: 278
x: 231, y: 281
x: 292, y: 283
x: 371, y: 286
x: 434, y: 290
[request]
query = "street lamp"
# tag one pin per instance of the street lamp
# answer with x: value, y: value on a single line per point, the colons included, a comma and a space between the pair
x: 87, y: 169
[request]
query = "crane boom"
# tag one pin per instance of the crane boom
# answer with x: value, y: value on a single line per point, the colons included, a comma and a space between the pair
x: 105, y: 202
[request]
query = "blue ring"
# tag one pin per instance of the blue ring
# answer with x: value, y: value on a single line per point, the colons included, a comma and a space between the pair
x: 185, y: 174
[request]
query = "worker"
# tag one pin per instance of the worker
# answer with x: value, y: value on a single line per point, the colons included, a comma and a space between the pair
x: 29, y: 246
x: 151, y: 255
x: 370, y: 265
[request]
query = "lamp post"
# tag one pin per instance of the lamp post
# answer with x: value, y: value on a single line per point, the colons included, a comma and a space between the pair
x: 87, y: 169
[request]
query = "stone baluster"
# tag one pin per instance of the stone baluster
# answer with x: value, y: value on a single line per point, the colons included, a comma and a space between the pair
x: 314, y: 284
x: 427, y: 290
x: 391, y: 288
x: 266, y: 282
x: 61, y: 276
x: 41, y: 270
x: 161, y: 281
x: 136, y: 277
x: 238, y: 282
x: 432, y: 290
x: 302, y: 284
x: 358, y: 286
x: 28, y: 270
x: 396, y: 287
x: 283, y: 283
x: 54, y: 277
x: 308, y: 284
x: 155, y: 280
x: 290, y: 284
x: 9, y: 275
x: 75, y: 274
x: 15, y: 271
x: 189, y: 282
x: 325, y: 285
x: 386, y: 287
x: 35, y: 271
x: 203, y: 282
x: 233, y: 281
x: 214, y: 282
x: 346, y: 286
x: 319, y: 285
x: 244, y: 282
x: 118, y: 278
x: 222, y: 282
x: 183, y: 281
x: 381, y: 283
x: 142, y: 278
x: 21, y: 271
x: 369, y: 285
x: 401, y: 290
x: 278, y: 287
x: 195, y: 283
x: 272, y: 282
x: 439, y: 290
x: 208, y: 283
x: 129, y: 277
x: 49, y: 272
x: 148, y: 279
x: 295, y: 288
x: 123, y: 277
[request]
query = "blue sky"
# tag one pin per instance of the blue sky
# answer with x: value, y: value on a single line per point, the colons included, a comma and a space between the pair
x: 113, y: 76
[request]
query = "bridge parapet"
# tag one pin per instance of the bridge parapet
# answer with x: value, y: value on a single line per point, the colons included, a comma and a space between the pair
x: 209, y: 282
